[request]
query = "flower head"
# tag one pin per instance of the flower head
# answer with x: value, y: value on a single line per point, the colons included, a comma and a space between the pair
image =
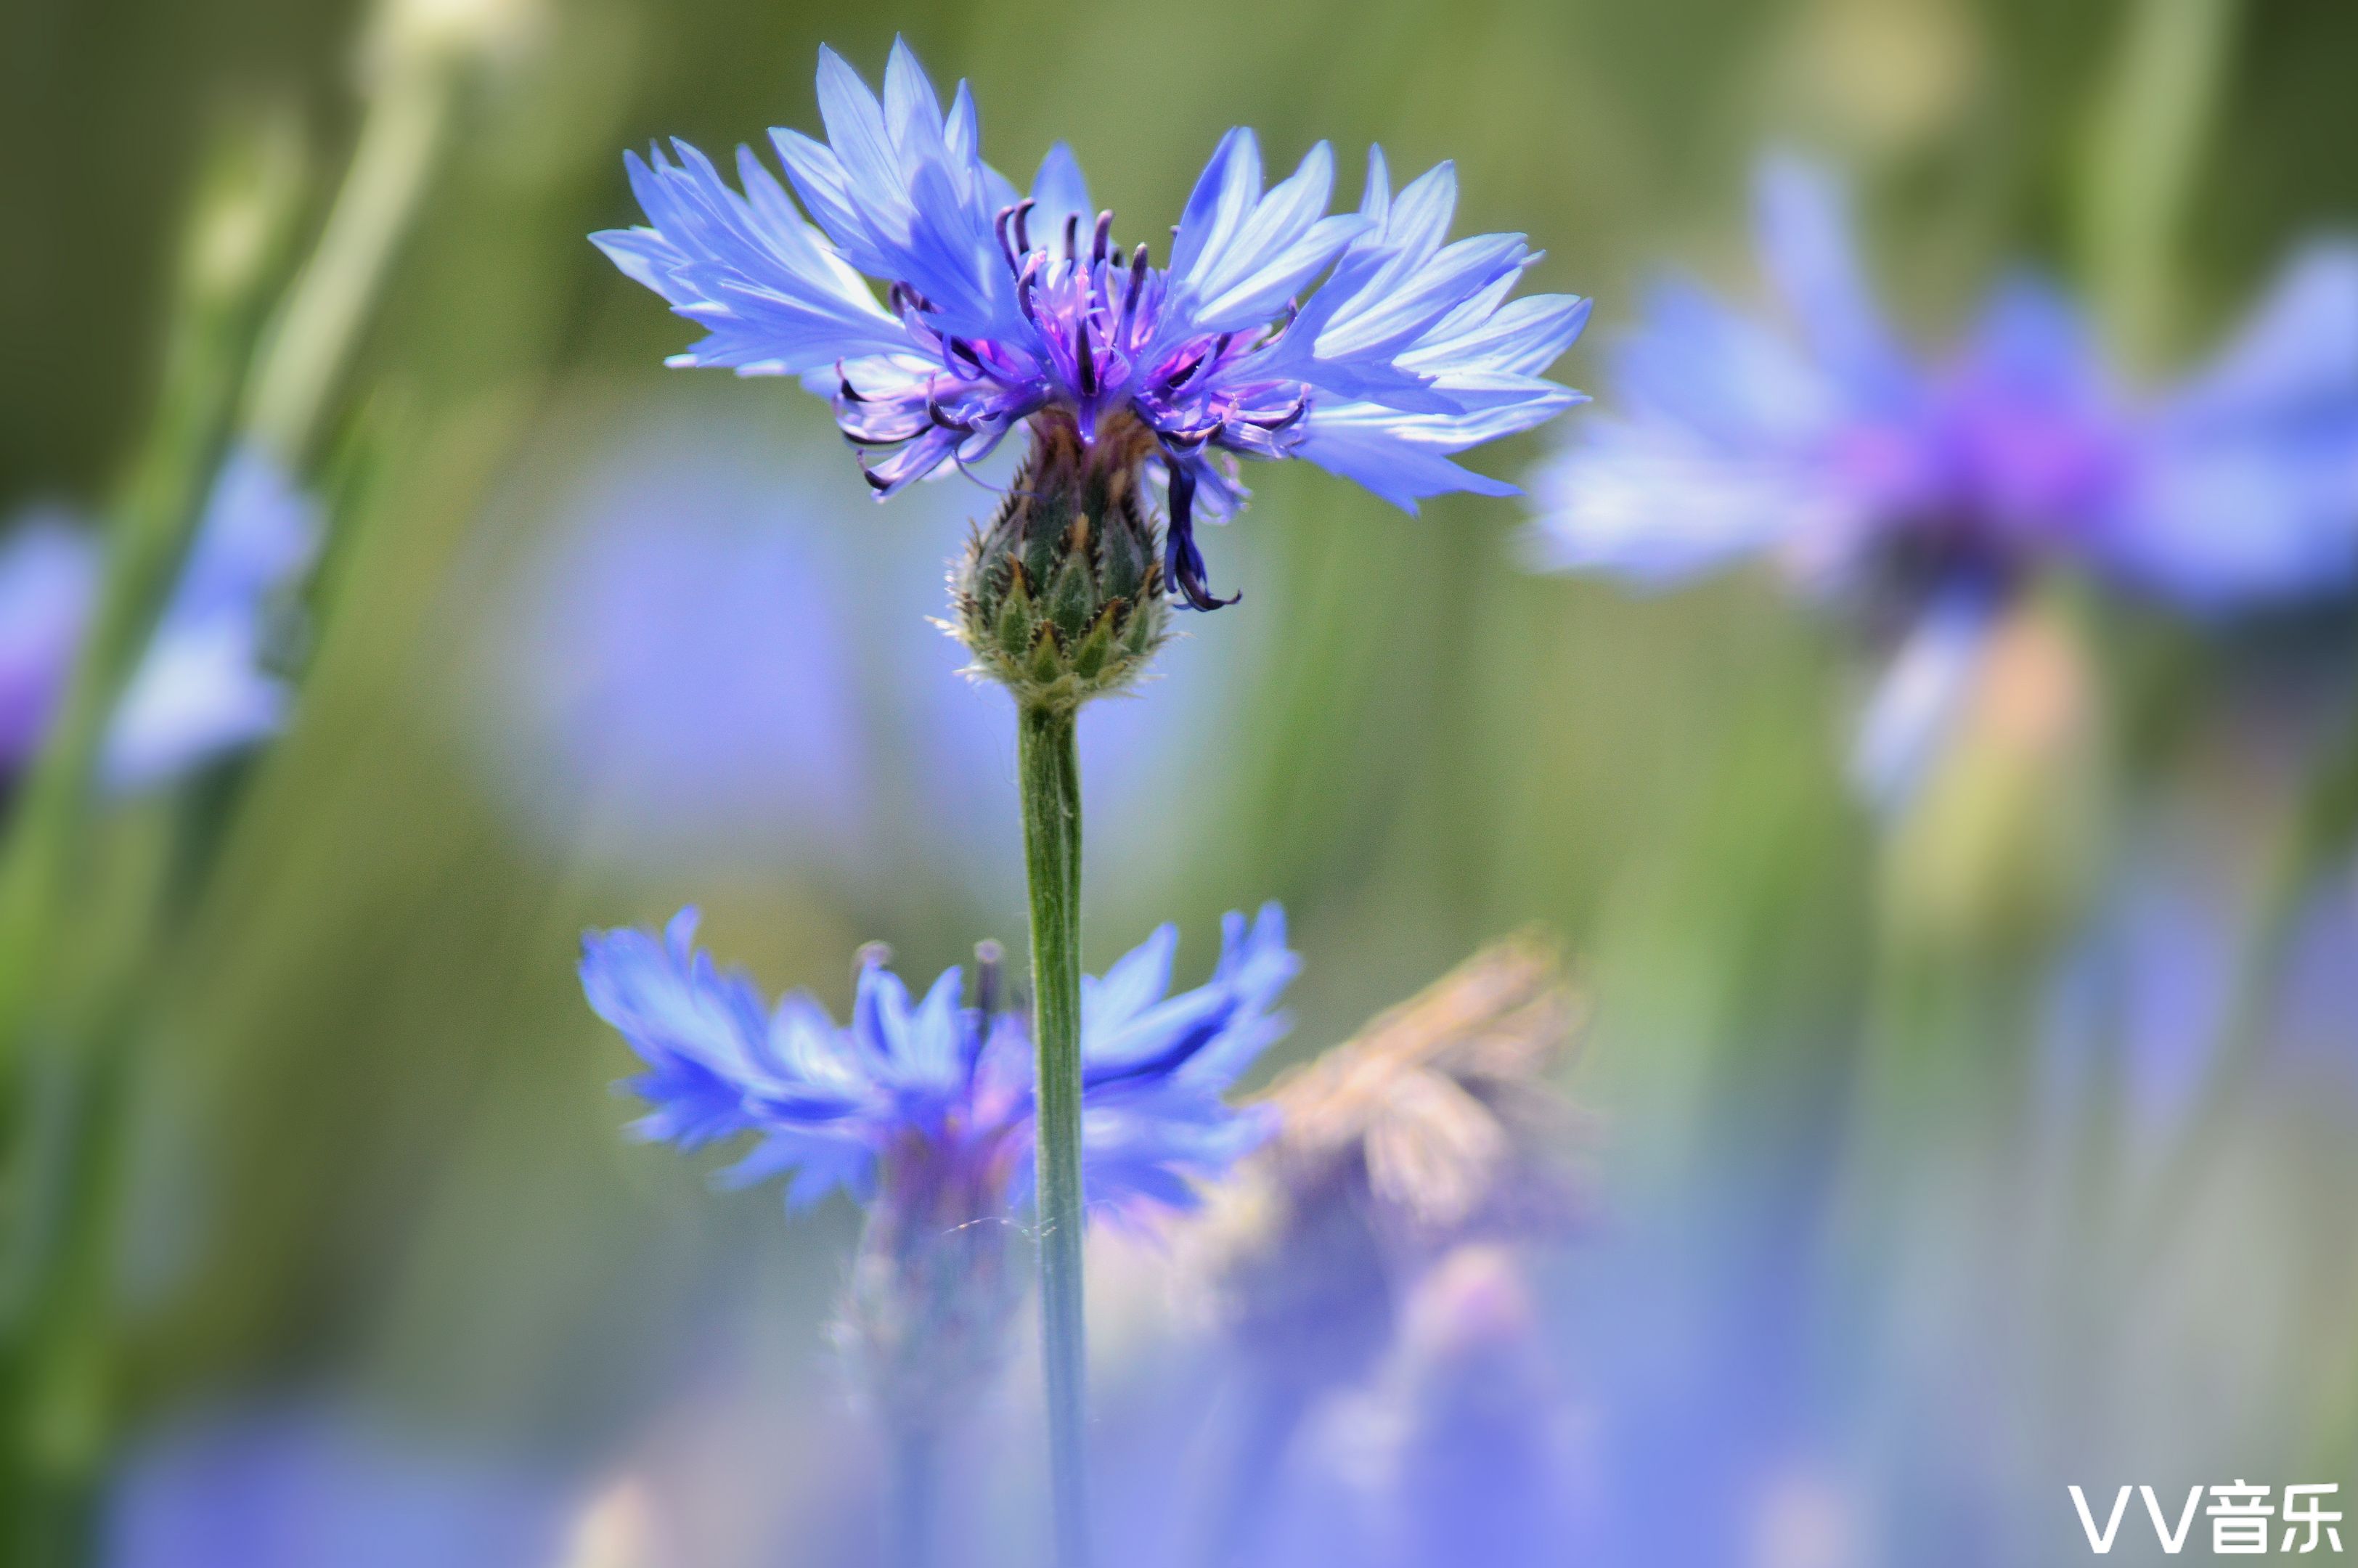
x: 1820, y: 438
x: 935, y: 1093
x: 1926, y: 491
x: 1002, y: 307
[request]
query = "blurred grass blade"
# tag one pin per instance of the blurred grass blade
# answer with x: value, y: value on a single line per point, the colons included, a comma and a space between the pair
x: 311, y: 339
x: 2144, y: 151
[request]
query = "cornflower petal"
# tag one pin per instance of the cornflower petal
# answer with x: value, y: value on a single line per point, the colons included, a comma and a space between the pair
x: 1224, y: 197
x: 1136, y: 981
x: 1807, y: 250
x: 1060, y: 195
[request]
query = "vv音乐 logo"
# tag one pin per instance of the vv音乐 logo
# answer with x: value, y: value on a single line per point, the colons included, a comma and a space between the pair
x: 2241, y: 1519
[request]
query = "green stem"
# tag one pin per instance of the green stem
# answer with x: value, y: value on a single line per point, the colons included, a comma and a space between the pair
x: 55, y: 1369
x: 2143, y: 155
x: 1051, y: 780
x: 310, y: 343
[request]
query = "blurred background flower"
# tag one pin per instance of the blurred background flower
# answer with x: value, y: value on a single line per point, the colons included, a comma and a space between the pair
x: 297, y: 1487
x: 205, y: 685
x: 204, y: 688
x: 1925, y: 497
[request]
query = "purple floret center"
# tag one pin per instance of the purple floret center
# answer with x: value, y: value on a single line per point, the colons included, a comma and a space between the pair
x: 1103, y: 344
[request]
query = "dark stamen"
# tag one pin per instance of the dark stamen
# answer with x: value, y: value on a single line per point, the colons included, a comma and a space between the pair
x: 1023, y: 226
x: 1082, y: 360
x: 1023, y: 288
x: 1105, y: 237
x: 1137, y: 282
x: 1182, y: 562
x: 1300, y: 406
x: 1071, y: 235
x: 843, y: 388
x: 1006, y: 240
x: 987, y: 958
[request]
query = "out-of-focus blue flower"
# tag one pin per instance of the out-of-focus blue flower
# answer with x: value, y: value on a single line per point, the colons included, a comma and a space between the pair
x: 1001, y: 305
x: 203, y: 688
x: 1934, y: 487
x: 303, y: 1489
x: 936, y: 1091
x: 1822, y: 439
x: 677, y: 654
x: 1483, y: 1467
x: 695, y: 663
x: 47, y: 569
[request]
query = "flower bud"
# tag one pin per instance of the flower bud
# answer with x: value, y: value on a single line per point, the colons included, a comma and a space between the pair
x: 433, y: 34
x: 1060, y: 599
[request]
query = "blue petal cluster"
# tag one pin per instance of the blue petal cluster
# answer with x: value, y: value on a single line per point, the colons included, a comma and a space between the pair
x: 1000, y: 305
x: 204, y: 688
x: 1822, y: 439
x: 931, y: 1083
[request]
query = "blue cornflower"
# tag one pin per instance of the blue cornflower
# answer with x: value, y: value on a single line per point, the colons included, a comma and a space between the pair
x: 203, y: 688
x: 1002, y: 308
x: 1870, y: 472
x: 930, y: 1101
